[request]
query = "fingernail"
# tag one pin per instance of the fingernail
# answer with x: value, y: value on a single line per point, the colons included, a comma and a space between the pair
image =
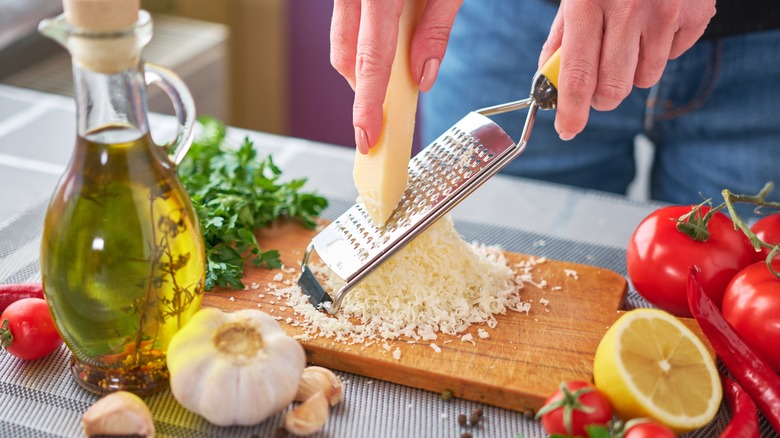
x: 566, y: 136
x: 430, y: 71
x: 361, y: 140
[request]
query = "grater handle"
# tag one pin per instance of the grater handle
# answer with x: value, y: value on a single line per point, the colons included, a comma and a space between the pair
x: 544, y: 91
x: 552, y: 68
x: 529, y: 120
x: 506, y: 107
x: 545, y: 85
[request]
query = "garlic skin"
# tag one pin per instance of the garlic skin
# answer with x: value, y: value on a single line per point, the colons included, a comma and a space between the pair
x: 320, y: 379
x: 319, y: 389
x: 309, y: 416
x: 118, y: 413
x: 234, y: 368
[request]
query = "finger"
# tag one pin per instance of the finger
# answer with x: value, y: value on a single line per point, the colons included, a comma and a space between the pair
x: 374, y: 58
x: 344, y: 26
x: 553, y: 39
x: 430, y: 40
x: 580, y: 53
x: 619, y: 54
x: 693, y: 22
x: 654, y: 47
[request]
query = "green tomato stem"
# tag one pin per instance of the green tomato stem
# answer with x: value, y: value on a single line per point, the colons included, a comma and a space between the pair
x: 569, y: 401
x: 6, y: 337
x: 694, y: 225
x: 760, y: 201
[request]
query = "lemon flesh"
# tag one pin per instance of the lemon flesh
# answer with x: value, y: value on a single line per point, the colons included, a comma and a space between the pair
x: 649, y: 364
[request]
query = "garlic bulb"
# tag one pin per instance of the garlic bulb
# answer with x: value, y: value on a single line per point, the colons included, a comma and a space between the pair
x: 234, y: 368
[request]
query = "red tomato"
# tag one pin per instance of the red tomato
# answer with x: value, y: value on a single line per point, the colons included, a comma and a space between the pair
x: 648, y: 429
x: 582, y: 396
x: 767, y: 229
x: 33, y: 330
x: 659, y: 255
x: 751, y: 305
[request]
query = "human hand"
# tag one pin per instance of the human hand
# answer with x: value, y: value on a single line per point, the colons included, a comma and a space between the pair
x: 607, y: 46
x: 363, y: 37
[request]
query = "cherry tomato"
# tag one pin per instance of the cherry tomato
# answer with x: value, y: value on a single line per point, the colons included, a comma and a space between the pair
x: 30, y: 332
x: 767, y: 229
x: 588, y: 406
x: 659, y: 255
x: 751, y: 304
x: 647, y: 429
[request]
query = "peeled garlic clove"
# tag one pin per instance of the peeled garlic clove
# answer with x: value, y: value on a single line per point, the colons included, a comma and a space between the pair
x: 119, y: 413
x: 308, y: 417
x: 318, y: 379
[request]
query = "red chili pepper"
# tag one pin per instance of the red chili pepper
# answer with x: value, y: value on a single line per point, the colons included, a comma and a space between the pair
x: 744, y: 416
x: 750, y: 370
x: 10, y: 293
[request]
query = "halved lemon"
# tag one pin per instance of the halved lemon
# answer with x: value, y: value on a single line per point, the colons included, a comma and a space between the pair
x: 649, y: 364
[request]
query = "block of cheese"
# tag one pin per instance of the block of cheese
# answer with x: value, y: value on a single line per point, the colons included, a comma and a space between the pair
x: 381, y: 175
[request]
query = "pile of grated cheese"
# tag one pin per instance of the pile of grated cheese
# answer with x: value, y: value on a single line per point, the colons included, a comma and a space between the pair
x: 438, y: 283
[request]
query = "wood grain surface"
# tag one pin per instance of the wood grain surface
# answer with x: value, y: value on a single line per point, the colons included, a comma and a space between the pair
x: 522, y: 361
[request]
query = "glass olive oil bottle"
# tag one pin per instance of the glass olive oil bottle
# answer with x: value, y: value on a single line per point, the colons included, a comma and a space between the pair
x: 122, y: 256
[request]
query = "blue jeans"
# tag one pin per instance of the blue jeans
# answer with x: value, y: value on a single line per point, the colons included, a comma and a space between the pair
x: 714, y: 117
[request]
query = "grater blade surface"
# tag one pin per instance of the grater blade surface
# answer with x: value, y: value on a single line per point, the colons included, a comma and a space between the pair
x: 440, y: 176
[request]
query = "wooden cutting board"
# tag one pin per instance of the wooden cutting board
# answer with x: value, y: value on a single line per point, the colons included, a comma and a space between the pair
x: 522, y: 361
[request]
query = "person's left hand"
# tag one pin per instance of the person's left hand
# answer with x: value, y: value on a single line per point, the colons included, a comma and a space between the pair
x: 608, y: 46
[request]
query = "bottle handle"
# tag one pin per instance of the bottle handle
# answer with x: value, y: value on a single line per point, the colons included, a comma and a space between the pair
x: 183, y: 106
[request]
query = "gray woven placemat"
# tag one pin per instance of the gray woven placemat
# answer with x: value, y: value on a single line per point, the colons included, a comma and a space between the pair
x: 40, y: 398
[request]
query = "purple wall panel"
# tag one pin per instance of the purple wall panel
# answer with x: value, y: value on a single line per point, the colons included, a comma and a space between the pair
x: 320, y: 99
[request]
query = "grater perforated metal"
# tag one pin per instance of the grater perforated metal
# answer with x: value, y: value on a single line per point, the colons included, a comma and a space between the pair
x: 440, y: 176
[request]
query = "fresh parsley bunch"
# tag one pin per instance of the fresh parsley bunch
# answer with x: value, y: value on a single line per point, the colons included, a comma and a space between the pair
x: 235, y: 192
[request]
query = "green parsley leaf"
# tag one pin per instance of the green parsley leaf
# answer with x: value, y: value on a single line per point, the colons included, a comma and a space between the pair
x: 235, y: 192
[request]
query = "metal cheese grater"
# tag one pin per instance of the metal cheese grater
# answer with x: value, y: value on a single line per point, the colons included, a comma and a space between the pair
x: 440, y: 176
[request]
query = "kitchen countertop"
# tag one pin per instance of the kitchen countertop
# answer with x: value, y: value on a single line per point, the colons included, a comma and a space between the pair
x: 37, y: 133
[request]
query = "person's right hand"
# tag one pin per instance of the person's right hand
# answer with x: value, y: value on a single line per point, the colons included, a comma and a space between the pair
x: 363, y: 37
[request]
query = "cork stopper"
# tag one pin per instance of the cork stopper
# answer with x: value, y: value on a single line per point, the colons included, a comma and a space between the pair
x: 105, y: 36
x: 101, y: 15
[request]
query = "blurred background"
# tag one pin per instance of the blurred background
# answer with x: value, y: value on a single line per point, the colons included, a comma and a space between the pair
x: 257, y: 64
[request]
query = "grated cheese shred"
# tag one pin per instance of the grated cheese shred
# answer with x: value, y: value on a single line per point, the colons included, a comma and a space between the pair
x: 438, y: 283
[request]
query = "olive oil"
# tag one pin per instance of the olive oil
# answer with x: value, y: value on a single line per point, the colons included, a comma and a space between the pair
x: 122, y: 260
x: 122, y: 256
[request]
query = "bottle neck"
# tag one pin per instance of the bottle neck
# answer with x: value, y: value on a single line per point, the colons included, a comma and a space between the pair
x: 110, y: 105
